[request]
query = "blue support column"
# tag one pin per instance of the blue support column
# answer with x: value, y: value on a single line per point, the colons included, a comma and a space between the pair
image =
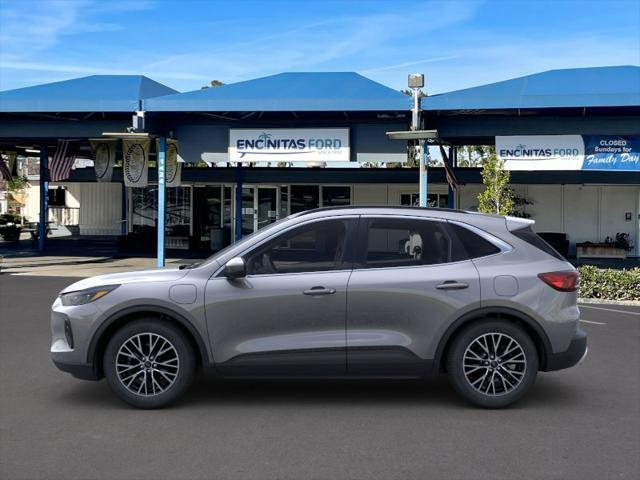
x: 450, y: 191
x: 238, y: 201
x: 162, y: 149
x: 449, y: 197
x: 44, y: 198
x: 424, y: 162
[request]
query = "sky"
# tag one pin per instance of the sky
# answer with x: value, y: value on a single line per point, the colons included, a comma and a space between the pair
x: 186, y: 44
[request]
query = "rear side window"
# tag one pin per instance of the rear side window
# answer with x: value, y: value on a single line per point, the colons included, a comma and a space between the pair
x: 532, y: 238
x: 403, y: 242
x: 472, y: 245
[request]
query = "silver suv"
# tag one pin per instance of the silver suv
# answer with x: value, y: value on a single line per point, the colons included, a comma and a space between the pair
x: 354, y: 292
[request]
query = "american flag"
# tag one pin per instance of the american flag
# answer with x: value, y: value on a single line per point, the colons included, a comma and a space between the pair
x: 61, y: 162
x: 4, y: 170
x: 448, y: 170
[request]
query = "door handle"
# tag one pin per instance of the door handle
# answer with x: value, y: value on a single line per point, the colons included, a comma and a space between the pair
x: 319, y: 291
x: 452, y: 285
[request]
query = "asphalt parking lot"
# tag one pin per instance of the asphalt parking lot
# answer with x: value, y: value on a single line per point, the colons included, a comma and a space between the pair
x: 582, y: 423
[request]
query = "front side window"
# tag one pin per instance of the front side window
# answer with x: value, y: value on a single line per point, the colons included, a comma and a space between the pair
x: 318, y: 246
x: 402, y: 242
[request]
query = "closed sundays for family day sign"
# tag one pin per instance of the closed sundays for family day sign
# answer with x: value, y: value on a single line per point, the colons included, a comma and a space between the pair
x: 289, y: 145
x: 569, y: 152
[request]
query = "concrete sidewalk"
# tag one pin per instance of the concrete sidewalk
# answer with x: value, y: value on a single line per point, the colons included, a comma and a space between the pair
x: 74, y: 266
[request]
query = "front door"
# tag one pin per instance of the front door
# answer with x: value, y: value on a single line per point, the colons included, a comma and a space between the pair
x: 408, y: 285
x: 259, y: 207
x: 287, y: 316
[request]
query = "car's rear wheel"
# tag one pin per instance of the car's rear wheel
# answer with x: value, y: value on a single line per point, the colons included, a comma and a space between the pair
x: 149, y: 363
x: 492, y: 363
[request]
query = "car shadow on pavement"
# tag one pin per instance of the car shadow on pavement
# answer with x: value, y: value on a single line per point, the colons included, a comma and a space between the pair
x: 209, y: 392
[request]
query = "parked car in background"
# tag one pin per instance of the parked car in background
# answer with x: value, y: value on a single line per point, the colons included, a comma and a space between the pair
x: 355, y: 292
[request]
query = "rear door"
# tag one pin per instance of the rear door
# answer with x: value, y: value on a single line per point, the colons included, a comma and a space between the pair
x: 410, y: 281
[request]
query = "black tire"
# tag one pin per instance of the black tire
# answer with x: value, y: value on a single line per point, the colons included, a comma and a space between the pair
x: 178, y: 374
x: 499, y: 393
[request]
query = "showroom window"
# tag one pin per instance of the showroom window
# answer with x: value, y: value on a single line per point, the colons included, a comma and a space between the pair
x: 144, y: 207
x: 307, y: 197
x: 439, y: 200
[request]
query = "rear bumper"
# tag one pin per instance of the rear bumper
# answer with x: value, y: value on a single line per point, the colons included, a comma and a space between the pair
x: 574, y: 354
x: 79, y: 370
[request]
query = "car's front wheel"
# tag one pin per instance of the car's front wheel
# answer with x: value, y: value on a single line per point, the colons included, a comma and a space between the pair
x: 492, y: 363
x: 149, y: 363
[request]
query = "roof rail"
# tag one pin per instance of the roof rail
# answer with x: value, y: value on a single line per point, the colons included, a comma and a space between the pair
x: 388, y: 207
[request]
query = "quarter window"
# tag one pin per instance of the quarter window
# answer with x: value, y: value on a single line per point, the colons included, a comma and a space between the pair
x: 318, y: 246
x: 399, y: 242
x: 473, y: 245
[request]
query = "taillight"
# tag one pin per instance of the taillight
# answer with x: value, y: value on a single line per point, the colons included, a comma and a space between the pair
x: 561, y: 281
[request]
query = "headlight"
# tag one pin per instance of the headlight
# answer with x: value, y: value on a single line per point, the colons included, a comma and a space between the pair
x: 85, y: 296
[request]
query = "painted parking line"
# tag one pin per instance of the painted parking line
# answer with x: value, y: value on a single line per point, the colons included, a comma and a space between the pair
x: 610, y: 310
x: 591, y: 321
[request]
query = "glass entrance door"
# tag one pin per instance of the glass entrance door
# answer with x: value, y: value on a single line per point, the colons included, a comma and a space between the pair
x: 266, y: 206
x: 259, y: 207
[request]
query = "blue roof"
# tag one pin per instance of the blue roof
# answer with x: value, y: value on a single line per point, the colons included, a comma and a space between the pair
x: 286, y: 92
x: 96, y: 93
x: 577, y: 87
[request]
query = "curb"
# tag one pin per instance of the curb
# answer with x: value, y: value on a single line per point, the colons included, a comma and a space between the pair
x: 630, y: 303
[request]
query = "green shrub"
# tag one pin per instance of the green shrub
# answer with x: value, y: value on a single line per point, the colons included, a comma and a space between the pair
x: 14, y: 218
x: 609, y: 284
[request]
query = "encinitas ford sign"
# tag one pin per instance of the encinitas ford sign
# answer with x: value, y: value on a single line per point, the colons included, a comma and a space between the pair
x: 541, y: 152
x: 289, y: 145
x: 569, y: 152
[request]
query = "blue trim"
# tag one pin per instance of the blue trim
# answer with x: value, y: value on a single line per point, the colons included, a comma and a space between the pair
x: 162, y: 207
x: 44, y: 198
x: 238, y: 201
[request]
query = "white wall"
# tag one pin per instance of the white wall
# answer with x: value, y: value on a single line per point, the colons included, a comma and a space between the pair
x: 31, y: 209
x: 586, y: 213
x: 100, y: 208
x: 546, y: 208
x: 374, y: 194
x: 615, y: 202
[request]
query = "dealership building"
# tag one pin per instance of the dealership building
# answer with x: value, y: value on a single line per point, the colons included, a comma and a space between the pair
x: 252, y: 152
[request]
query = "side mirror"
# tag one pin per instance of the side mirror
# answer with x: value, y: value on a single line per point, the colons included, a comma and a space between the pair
x: 235, y: 268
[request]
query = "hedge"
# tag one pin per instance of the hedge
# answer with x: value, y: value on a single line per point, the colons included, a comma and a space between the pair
x: 609, y: 284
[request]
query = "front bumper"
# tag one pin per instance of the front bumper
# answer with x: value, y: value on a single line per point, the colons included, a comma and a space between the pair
x: 78, y: 370
x: 71, y: 331
x: 574, y: 354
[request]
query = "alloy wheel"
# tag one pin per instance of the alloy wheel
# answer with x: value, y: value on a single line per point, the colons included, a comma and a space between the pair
x: 494, y: 364
x: 147, y: 364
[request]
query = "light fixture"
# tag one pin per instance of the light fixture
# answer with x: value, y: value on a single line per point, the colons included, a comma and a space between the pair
x: 126, y: 134
x: 413, y: 135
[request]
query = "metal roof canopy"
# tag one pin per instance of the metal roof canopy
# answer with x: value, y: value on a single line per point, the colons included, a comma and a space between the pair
x: 617, y: 86
x: 95, y: 93
x: 288, y: 92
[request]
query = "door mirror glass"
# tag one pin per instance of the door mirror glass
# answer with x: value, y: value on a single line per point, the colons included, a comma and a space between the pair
x: 235, y: 268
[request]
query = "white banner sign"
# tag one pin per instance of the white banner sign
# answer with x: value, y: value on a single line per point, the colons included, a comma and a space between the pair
x: 104, y: 156
x: 136, y: 161
x: 541, y: 152
x: 289, y: 145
